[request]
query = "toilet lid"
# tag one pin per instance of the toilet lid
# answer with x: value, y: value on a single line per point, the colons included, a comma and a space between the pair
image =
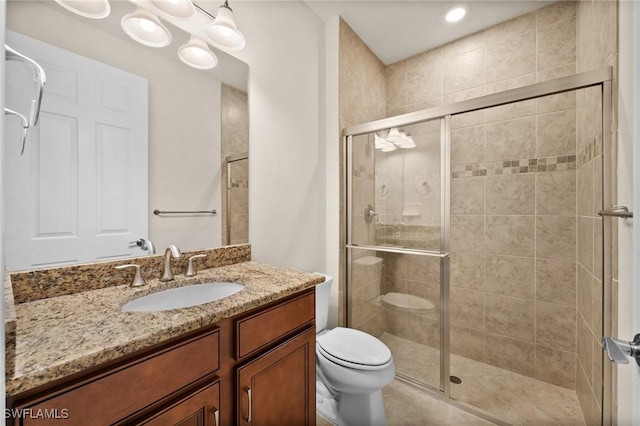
x: 354, y: 348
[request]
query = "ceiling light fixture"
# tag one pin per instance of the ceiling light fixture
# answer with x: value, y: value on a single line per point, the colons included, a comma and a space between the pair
x: 94, y: 9
x: 456, y: 13
x: 196, y: 54
x: 178, y: 9
x: 145, y: 28
x: 222, y: 32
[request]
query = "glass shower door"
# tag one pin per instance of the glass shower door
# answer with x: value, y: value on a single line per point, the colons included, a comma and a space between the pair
x: 395, y: 247
x: 236, y: 218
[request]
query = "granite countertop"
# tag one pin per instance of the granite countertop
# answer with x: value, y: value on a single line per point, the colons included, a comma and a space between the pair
x: 58, y: 336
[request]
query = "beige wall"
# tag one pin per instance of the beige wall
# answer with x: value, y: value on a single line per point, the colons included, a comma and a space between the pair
x: 234, y: 130
x: 184, y: 114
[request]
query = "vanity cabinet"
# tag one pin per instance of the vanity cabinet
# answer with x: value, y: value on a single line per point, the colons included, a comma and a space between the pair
x: 278, y: 388
x: 256, y: 368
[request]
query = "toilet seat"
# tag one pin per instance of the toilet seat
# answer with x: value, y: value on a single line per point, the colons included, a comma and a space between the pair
x: 354, y: 349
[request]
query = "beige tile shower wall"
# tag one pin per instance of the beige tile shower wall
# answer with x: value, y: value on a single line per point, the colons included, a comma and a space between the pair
x: 234, y: 133
x: 597, y: 28
x: 361, y: 99
x: 513, y: 191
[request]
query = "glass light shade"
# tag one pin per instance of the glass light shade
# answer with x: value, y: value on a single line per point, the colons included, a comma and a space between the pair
x: 406, y: 142
x: 389, y: 148
x: 456, y: 13
x: 178, y: 9
x: 196, y: 54
x: 222, y: 32
x: 94, y: 9
x: 145, y: 28
x: 394, y: 135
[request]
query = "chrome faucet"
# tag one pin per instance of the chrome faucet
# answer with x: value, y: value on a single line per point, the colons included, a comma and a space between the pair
x: 174, y: 251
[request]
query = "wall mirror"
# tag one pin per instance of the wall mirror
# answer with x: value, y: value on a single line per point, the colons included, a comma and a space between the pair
x: 197, y: 120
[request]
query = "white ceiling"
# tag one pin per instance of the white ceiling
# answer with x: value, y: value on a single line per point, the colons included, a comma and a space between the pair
x: 396, y: 30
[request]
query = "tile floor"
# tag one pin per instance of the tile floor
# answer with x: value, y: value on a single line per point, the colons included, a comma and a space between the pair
x: 501, y: 394
x: 406, y: 406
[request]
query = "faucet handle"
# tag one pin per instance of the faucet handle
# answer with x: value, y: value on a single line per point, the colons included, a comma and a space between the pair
x: 137, y: 279
x: 191, y: 270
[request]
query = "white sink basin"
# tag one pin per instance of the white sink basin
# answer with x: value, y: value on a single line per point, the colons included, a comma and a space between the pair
x: 182, y: 297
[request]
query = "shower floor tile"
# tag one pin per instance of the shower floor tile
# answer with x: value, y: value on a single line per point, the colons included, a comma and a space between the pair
x: 404, y: 405
x: 501, y: 394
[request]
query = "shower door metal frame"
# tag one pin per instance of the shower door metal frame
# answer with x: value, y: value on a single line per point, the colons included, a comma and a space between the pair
x: 601, y: 77
x: 228, y: 161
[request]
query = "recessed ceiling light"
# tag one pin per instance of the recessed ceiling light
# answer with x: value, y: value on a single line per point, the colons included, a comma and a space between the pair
x: 456, y: 13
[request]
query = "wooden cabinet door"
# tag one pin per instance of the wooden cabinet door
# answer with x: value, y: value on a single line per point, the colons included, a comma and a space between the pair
x: 278, y: 388
x: 199, y: 408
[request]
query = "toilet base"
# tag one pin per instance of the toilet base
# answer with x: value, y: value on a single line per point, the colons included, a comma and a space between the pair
x: 350, y: 410
x: 361, y: 409
x: 326, y: 405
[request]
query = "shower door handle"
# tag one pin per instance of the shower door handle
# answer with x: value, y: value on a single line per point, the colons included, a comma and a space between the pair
x: 617, y: 211
x: 618, y: 350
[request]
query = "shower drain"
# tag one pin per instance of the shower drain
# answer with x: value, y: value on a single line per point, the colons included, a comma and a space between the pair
x: 455, y: 380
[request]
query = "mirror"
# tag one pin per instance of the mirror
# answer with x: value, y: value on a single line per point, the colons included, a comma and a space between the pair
x: 196, y: 119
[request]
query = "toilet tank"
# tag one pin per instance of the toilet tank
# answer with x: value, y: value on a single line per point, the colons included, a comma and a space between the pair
x: 323, y: 296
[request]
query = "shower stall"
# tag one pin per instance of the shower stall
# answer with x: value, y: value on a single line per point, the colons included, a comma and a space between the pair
x: 475, y: 250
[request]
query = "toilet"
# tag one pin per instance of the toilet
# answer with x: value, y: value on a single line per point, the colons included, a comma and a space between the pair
x: 352, y: 367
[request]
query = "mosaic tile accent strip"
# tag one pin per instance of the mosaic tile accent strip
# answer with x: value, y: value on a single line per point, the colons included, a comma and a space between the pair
x: 239, y: 183
x: 512, y: 167
x: 591, y: 150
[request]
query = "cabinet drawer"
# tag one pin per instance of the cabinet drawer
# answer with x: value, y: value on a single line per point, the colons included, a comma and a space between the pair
x: 109, y: 397
x: 200, y: 407
x: 263, y: 328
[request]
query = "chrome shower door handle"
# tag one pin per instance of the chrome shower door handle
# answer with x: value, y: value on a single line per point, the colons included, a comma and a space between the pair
x: 617, y: 211
x: 618, y: 350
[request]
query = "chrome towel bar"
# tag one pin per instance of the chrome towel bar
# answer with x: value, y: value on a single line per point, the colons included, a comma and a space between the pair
x: 160, y: 212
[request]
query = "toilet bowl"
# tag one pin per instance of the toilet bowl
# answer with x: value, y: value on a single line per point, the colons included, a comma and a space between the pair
x: 352, y: 367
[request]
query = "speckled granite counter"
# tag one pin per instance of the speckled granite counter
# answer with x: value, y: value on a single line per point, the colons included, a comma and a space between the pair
x: 58, y: 336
